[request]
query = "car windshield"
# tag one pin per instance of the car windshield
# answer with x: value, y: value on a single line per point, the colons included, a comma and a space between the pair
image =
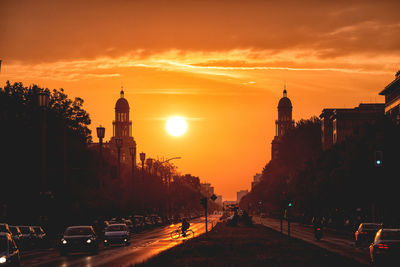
x: 79, y: 231
x: 390, y: 235
x: 112, y: 228
x: 3, y: 243
x: 38, y: 230
x: 371, y: 227
x: 24, y: 229
x: 14, y: 230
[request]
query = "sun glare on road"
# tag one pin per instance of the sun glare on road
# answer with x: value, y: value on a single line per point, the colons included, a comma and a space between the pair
x: 176, y: 126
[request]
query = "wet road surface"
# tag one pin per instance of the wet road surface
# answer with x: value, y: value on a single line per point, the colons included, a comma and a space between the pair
x: 143, y: 246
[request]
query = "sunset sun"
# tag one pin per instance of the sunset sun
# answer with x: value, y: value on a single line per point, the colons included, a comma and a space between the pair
x: 176, y: 126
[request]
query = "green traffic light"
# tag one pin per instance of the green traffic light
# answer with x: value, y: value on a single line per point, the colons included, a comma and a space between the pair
x: 290, y: 204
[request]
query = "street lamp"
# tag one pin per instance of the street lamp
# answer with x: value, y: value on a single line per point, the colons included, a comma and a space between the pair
x: 118, y: 143
x: 142, y: 158
x: 132, y: 151
x: 100, y: 134
x: 43, y: 98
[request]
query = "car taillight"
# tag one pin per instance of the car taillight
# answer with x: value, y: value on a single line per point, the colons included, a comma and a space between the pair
x: 318, y: 229
x: 361, y: 233
x: 383, y: 246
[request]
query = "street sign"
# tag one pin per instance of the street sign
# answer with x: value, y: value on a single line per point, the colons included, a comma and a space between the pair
x: 213, y: 197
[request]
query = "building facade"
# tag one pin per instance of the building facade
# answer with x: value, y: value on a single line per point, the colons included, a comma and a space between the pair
x: 392, y: 98
x: 338, y: 124
x: 241, y: 194
x: 283, y: 124
x: 122, y: 129
x: 256, y: 180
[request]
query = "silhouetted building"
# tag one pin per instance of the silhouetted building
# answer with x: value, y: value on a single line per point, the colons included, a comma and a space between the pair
x: 256, y: 180
x: 241, y: 194
x: 392, y: 98
x: 218, y: 201
x: 338, y: 124
x: 122, y: 128
x: 283, y: 123
x: 206, y: 189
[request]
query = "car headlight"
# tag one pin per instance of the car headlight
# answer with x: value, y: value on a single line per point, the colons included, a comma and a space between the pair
x: 64, y: 241
x: 89, y: 241
x: 3, y: 259
x: 105, y: 240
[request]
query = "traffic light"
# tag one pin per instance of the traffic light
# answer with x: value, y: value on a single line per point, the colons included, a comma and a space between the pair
x: 378, y: 158
x: 289, y: 204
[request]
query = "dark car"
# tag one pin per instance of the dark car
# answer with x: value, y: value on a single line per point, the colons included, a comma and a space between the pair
x: 9, y: 252
x: 79, y: 239
x: 366, y: 232
x: 41, y: 236
x: 386, y: 247
x: 28, y: 236
x: 16, y: 234
x: 117, y: 234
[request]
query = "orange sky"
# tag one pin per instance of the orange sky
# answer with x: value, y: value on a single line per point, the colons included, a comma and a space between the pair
x: 220, y: 64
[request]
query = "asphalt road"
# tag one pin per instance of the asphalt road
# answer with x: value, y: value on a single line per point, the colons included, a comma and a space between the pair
x: 330, y: 241
x: 143, y: 246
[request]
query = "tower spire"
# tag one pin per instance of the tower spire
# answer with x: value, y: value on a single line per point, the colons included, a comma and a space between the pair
x: 284, y: 90
x: 122, y: 91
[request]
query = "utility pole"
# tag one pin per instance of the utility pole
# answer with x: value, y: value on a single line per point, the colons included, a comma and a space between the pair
x: 203, y: 202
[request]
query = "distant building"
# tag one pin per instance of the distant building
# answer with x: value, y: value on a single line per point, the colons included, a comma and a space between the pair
x: 283, y: 123
x: 337, y: 124
x: 218, y: 201
x: 227, y: 203
x: 392, y: 98
x: 241, y: 194
x: 122, y: 128
x: 256, y: 180
x: 206, y: 189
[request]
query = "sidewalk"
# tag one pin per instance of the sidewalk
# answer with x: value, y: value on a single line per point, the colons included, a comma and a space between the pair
x: 247, y: 246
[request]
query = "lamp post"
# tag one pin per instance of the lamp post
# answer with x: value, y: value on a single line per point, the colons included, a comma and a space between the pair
x: 142, y: 158
x: 132, y: 151
x: 118, y: 143
x: 100, y: 134
x: 43, y: 98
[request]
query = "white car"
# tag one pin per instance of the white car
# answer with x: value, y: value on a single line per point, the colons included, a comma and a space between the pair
x: 117, y: 234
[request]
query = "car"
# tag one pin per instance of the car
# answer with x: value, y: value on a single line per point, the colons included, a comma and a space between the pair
x: 9, y: 252
x: 116, y: 234
x: 366, y: 232
x: 41, y: 236
x: 386, y: 247
x: 79, y: 239
x: 4, y: 228
x: 28, y: 236
x: 16, y: 234
x: 129, y: 223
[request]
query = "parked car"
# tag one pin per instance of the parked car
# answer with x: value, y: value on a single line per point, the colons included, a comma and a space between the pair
x: 138, y: 223
x: 148, y: 222
x: 9, y: 252
x: 78, y: 239
x: 129, y: 223
x: 366, y: 232
x: 16, y: 234
x: 41, y: 236
x: 117, y: 234
x: 386, y: 247
x: 4, y: 228
x: 28, y: 236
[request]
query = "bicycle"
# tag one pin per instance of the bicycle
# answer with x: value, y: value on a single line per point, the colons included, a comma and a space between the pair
x: 178, y: 233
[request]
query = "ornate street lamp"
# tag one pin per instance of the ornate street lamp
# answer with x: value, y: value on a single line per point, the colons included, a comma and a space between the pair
x: 118, y: 143
x: 142, y: 158
x: 100, y: 134
x: 132, y: 151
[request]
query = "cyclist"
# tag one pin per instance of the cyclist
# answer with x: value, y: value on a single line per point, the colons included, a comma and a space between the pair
x: 185, y: 226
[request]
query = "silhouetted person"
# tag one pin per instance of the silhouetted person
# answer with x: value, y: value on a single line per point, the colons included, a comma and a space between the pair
x: 185, y: 226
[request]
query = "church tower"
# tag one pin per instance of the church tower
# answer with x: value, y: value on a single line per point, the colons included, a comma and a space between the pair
x: 122, y: 128
x: 283, y: 123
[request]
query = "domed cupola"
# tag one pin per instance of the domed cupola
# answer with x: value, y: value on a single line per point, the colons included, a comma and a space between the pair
x: 122, y: 104
x: 285, y: 101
